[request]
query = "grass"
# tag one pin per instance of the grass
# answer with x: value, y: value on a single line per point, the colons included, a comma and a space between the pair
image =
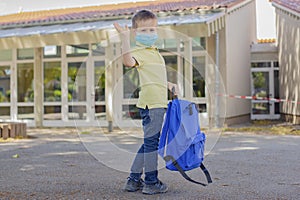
x: 11, y: 139
x: 267, y: 127
x: 276, y: 130
x: 85, y: 132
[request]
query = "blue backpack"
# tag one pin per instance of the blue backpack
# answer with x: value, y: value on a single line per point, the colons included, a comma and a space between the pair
x: 181, y: 142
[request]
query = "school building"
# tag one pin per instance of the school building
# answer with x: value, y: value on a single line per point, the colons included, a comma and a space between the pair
x: 63, y: 67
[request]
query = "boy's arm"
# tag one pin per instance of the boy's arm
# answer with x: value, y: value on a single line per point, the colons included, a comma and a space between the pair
x: 128, y: 60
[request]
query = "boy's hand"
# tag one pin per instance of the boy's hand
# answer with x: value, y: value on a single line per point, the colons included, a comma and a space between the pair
x: 123, y: 30
x: 173, y: 88
x: 128, y: 60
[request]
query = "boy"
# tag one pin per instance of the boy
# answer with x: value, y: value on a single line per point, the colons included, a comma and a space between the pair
x: 152, y: 101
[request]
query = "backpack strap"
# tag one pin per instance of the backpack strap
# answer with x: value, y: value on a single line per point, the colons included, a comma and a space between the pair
x: 182, y: 172
x: 205, y: 171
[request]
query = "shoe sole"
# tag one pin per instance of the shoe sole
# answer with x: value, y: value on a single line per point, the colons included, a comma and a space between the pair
x: 132, y: 190
x: 158, y: 192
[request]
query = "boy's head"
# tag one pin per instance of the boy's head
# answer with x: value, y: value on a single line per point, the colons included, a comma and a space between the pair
x: 144, y: 25
x: 144, y: 18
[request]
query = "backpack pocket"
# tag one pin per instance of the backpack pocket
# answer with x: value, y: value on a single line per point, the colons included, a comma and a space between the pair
x: 193, y: 155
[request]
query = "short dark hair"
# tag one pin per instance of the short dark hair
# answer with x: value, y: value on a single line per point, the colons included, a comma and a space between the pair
x: 142, y: 15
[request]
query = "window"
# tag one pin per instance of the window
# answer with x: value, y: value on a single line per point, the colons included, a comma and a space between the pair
x: 5, y: 112
x: 5, y: 55
x: 77, y: 88
x: 77, y: 81
x: 130, y: 112
x: 26, y: 112
x: 100, y: 112
x: 260, y: 108
x: 199, y: 76
x: 98, y: 49
x: 25, y: 82
x: 52, y: 51
x: 99, y: 67
x: 99, y: 73
x: 52, y: 112
x: 130, y: 83
x: 261, y: 84
x: 171, y: 64
x: 4, y: 84
x: 77, y: 50
x: 168, y: 45
x: 202, y: 108
x: 77, y: 112
x: 130, y: 91
x: 199, y: 43
x: 260, y: 64
x: 25, y: 54
x: 52, y: 81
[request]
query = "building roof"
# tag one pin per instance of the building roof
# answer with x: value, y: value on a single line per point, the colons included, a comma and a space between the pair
x: 289, y: 4
x: 100, y: 25
x: 109, y: 12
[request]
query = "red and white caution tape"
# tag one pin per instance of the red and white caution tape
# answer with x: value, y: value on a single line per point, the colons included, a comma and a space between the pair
x: 258, y: 98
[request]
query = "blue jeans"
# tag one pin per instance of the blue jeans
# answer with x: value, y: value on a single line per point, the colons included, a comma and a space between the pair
x: 147, y: 156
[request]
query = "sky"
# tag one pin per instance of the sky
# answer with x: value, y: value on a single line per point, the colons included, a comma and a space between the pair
x: 265, y: 11
x: 265, y: 19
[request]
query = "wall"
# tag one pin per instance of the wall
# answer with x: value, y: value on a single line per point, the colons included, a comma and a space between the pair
x: 240, y: 34
x: 288, y: 29
x: 264, y: 52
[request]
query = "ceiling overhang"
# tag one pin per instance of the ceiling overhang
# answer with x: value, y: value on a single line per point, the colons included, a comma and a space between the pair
x: 192, y: 25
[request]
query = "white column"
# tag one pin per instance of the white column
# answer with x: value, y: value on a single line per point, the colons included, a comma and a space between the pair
x: 188, y: 69
x: 38, y: 87
x: 13, y: 87
x: 118, y: 87
x: 64, y: 84
x: 217, y: 89
x: 109, y: 80
x: 180, y: 72
x: 90, y: 87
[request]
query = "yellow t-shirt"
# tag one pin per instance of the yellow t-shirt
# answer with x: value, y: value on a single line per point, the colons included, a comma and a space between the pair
x: 153, y: 77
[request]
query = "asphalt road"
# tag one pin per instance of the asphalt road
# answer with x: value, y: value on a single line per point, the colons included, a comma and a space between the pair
x: 60, y: 164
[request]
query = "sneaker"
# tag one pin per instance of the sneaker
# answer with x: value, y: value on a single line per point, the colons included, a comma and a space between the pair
x: 158, y: 187
x: 132, y: 185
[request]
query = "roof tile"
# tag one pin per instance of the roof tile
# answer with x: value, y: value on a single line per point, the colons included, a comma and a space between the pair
x: 266, y: 40
x: 290, y: 4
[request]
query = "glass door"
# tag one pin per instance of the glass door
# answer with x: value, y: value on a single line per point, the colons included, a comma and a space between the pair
x: 25, y: 93
x: 265, y: 88
x: 99, y: 91
x: 77, y: 91
x: 52, y: 91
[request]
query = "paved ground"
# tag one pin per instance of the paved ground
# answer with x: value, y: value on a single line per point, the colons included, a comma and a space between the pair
x: 60, y: 164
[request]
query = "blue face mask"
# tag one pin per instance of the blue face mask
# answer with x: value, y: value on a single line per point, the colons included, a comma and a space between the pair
x: 146, y: 39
